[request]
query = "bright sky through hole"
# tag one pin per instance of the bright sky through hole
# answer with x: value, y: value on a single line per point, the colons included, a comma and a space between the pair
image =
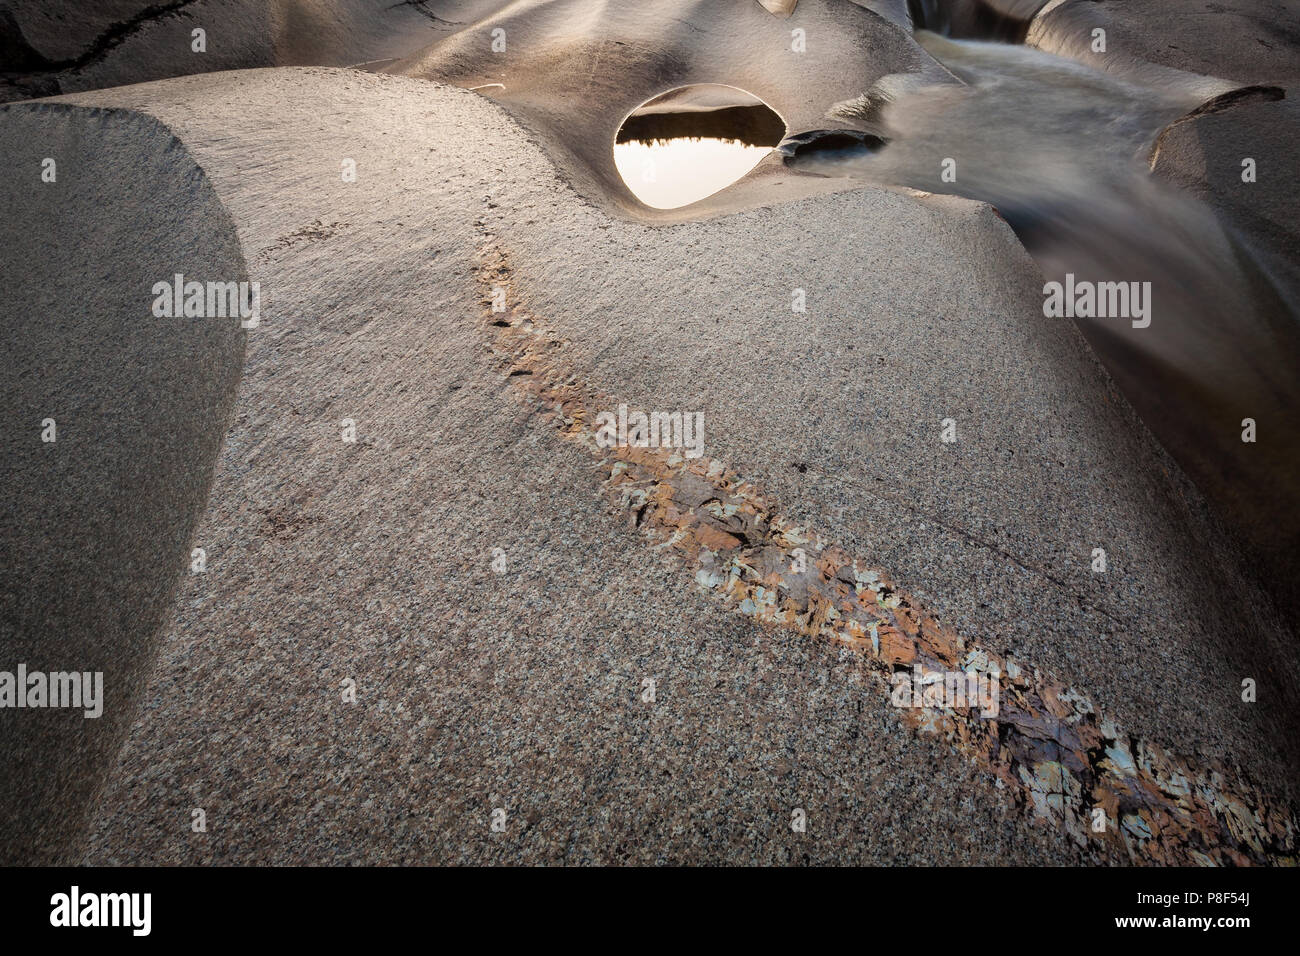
x: 682, y: 171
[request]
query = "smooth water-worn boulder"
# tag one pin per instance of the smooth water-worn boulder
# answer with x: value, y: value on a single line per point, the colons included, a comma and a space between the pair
x: 471, y: 578
x: 114, y: 420
x: 1239, y: 41
x: 432, y: 594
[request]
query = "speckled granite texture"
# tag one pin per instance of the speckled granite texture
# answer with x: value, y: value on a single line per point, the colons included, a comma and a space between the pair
x: 436, y: 643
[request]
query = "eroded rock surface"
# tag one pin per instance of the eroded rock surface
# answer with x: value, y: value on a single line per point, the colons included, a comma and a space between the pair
x: 497, y: 591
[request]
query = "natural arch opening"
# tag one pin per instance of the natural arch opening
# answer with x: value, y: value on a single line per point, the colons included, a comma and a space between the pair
x: 691, y: 142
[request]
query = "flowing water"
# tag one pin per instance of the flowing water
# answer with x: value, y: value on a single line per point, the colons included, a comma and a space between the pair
x: 1061, y: 150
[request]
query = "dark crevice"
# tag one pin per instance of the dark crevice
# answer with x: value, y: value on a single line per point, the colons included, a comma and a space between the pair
x: 419, y: 6
x: 828, y: 141
x: 16, y: 50
x: 1005, y: 20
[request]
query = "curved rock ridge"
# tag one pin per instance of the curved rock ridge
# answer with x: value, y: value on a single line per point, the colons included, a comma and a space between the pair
x: 1180, y: 42
x: 96, y: 524
x: 373, y: 560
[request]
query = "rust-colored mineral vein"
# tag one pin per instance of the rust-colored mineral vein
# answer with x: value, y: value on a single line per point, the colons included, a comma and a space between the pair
x: 1049, y: 745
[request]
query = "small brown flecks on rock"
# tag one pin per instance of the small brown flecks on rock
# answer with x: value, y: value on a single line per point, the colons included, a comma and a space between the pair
x: 1049, y: 745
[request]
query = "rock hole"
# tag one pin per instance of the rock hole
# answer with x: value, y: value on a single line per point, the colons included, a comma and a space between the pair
x: 684, y: 145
